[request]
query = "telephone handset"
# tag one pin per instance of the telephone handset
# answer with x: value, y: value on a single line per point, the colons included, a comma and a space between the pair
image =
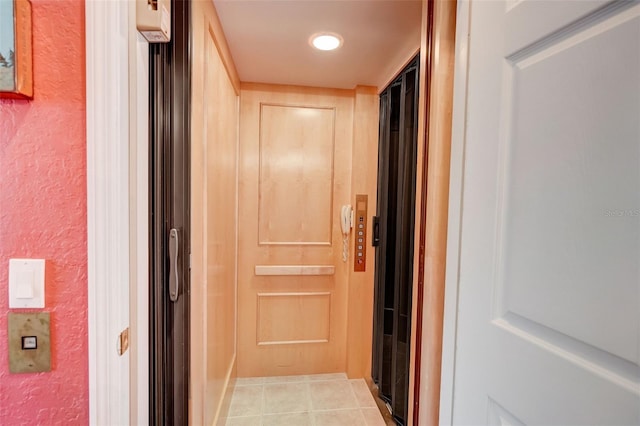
x: 346, y: 219
x: 346, y: 222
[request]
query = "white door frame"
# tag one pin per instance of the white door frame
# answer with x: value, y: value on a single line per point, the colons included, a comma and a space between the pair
x: 139, y: 236
x: 456, y: 187
x: 117, y: 212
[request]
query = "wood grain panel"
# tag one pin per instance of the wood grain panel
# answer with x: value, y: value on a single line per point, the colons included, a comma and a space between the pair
x: 214, y: 146
x: 296, y: 174
x: 417, y: 294
x: 222, y: 47
x: 293, y: 318
x: 432, y: 190
x: 364, y: 179
x: 294, y: 270
x: 307, y: 358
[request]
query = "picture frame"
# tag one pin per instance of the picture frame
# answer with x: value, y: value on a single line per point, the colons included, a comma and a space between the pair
x: 16, y: 57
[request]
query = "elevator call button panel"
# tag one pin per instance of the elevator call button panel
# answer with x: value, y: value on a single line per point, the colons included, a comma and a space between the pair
x: 360, y: 225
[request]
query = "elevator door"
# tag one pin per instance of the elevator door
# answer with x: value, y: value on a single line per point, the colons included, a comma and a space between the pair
x: 394, y: 251
x: 169, y: 223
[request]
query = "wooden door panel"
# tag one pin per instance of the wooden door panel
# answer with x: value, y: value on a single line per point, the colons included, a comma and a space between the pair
x: 293, y: 318
x: 214, y: 145
x: 296, y: 175
x: 295, y: 171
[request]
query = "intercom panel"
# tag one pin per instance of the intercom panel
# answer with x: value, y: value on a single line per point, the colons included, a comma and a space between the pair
x: 153, y: 20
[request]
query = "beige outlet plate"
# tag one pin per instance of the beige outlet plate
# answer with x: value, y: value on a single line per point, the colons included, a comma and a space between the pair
x: 25, y: 332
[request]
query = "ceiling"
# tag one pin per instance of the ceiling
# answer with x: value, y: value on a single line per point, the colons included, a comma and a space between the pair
x: 269, y: 40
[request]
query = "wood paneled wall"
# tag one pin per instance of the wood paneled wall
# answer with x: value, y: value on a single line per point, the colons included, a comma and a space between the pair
x: 295, y: 168
x: 214, y: 217
x: 214, y: 223
x: 364, y: 180
x: 356, y: 163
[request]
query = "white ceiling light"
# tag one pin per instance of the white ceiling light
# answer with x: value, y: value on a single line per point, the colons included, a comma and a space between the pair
x: 326, y: 41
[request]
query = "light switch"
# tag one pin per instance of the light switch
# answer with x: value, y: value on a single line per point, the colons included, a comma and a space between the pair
x: 26, y: 283
x: 24, y: 288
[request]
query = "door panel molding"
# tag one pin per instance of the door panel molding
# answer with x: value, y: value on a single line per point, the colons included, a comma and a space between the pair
x: 600, y: 362
x: 296, y: 177
x: 293, y: 318
x: 520, y: 286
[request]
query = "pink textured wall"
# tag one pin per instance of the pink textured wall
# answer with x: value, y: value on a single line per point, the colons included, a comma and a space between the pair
x: 43, y: 215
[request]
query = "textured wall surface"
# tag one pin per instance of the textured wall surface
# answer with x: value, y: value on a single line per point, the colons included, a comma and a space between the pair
x: 43, y: 215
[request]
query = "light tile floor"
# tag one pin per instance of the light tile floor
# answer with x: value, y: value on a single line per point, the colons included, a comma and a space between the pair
x: 317, y: 400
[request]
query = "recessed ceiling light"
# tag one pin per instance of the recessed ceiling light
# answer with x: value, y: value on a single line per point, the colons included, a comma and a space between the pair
x: 326, y: 41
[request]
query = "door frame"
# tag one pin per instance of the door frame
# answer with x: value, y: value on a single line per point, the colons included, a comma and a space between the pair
x: 107, y: 214
x: 117, y: 212
x: 456, y: 188
x: 437, y: 62
x: 104, y: 100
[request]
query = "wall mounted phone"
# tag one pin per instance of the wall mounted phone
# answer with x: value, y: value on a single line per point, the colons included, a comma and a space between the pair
x: 346, y: 222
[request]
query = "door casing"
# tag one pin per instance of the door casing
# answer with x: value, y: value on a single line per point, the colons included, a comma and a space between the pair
x: 99, y: 36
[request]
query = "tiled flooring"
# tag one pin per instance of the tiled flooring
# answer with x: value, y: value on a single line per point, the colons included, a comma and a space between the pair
x: 318, y: 400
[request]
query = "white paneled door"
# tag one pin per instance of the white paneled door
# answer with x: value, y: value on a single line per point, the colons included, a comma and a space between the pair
x: 547, y: 206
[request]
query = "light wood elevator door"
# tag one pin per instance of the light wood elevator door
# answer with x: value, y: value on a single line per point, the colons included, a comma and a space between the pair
x: 295, y: 172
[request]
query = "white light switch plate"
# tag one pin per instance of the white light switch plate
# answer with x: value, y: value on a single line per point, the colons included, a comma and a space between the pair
x: 26, y: 283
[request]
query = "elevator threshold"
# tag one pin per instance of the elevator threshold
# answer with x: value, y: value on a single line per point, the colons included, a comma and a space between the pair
x: 314, y: 400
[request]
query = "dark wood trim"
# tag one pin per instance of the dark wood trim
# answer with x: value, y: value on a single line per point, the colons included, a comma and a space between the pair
x: 423, y: 213
x: 169, y: 151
